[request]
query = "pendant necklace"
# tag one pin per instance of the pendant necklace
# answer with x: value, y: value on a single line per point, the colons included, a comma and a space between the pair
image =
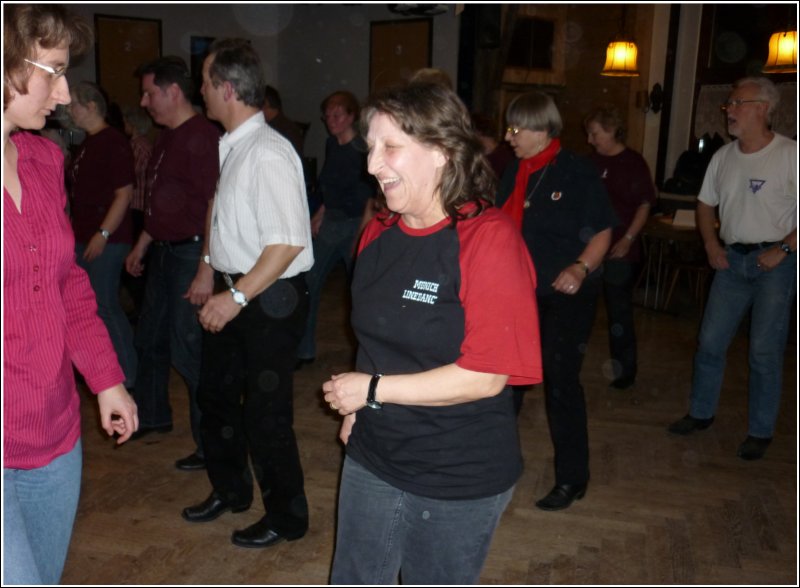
x: 530, y: 194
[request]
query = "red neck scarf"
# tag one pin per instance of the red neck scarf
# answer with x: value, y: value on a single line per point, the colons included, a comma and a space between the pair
x: 515, y: 203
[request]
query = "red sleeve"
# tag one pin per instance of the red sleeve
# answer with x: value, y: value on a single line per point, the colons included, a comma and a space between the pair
x: 498, y: 292
x: 377, y: 225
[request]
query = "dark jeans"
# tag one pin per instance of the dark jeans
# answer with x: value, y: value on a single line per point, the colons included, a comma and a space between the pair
x: 618, y: 278
x: 334, y: 243
x: 383, y: 531
x: 246, y: 400
x: 104, y: 275
x: 168, y: 333
x: 565, y: 324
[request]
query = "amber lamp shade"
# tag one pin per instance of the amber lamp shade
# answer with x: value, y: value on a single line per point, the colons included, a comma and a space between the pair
x: 621, y: 59
x: 782, y: 53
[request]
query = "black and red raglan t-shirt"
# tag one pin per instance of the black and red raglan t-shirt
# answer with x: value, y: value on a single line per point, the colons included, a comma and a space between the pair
x: 427, y: 298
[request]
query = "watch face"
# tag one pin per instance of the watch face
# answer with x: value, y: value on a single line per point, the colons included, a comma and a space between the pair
x: 239, y: 297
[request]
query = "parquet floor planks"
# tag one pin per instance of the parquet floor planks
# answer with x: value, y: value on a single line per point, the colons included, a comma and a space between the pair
x: 659, y: 509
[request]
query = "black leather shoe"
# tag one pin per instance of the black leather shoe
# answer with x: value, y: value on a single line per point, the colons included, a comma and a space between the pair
x: 142, y: 431
x: 561, y: 496
x: 191, y: 462
x: 260, y: 535
x: 623, y: 382
x: 689, y: 424
x: 211, y: 508
x: 753, y: 447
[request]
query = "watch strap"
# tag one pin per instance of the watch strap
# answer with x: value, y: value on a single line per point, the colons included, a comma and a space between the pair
x: 372, y: 391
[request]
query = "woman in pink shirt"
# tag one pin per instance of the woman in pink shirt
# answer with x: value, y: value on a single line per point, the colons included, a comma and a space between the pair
x: 50, y: 321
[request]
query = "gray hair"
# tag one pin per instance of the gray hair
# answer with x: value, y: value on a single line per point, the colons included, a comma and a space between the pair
x: 535, y: 111
x: 86, y: 92
x: 235, y: 61
x: 766, y: 91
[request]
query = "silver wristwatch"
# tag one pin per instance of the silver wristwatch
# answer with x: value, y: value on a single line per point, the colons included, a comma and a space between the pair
x: 105, y: 234
x: 239, y: 297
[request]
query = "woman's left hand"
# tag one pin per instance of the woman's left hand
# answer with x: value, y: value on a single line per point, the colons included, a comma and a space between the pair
x: 118, y: 412
x: 95, y: 247
x: 347, y: 393
x: 620, y: 248
x: 570, y: 279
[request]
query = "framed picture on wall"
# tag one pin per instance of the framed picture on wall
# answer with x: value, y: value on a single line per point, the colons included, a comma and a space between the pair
x: 398, y: 48
x: 122, y: 45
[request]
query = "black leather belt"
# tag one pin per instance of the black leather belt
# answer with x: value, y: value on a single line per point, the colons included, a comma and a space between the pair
x: 187, y: 241
x: 221, y: 285
x: 745, y: 248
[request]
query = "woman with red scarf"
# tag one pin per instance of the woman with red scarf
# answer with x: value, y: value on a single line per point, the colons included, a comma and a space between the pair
x: 562, y: 208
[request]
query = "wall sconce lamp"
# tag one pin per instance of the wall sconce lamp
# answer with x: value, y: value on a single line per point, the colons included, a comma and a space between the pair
x: 782, y: 53
x: 621, y: 54
x: 652, y: 102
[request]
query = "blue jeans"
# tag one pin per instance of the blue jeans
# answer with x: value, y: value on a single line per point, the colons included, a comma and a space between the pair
x: 104, y: 275
x: 383, y: 532
x: 39, y: 509
x: 734, y: 291
x: 334, y: 243
x: 168, y: 333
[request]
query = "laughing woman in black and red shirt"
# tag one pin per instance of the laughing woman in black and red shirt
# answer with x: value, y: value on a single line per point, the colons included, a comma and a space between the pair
x: 446, y: 320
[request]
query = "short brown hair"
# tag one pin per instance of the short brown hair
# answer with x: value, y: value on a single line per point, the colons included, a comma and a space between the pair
x: 434, y: 115
x: 344, y: 99
x: 27, y: 25
x: 610, y: 118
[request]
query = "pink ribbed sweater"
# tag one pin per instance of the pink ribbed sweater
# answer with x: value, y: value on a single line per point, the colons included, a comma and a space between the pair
x: 50, y: 317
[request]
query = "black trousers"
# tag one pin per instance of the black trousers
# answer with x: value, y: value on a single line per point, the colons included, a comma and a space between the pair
x: 565, y: 323
x: 246, y: 390
x: 618, y: 277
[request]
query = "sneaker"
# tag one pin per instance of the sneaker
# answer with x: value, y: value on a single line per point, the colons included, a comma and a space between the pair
x: 689, y: 424
x: 753, y: 447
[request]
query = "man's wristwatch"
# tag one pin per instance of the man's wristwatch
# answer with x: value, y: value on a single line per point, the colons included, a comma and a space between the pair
x: 785, y: 248
x: 239, y: 297
x: 105, y: 234
x: 373, y: 388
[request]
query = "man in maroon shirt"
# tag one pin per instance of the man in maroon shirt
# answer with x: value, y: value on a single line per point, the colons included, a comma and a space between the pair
x: 181, y: 179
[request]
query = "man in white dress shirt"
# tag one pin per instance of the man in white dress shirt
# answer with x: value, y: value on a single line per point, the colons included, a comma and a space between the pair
x: 260, y: 247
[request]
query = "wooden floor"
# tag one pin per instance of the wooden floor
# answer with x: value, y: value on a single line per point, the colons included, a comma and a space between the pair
x: 659, y: 510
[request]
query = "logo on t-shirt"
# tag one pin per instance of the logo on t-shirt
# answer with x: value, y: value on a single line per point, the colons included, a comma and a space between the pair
x: 756, y: 185
x: 422, y: 291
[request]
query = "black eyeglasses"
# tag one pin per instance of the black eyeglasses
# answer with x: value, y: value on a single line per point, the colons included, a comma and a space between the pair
x: 736, y: 103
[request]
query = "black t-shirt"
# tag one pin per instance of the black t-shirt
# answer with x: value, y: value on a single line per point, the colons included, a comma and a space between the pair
x: 423, y: 299
x: 344, y: 183
x: 568, y: 207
